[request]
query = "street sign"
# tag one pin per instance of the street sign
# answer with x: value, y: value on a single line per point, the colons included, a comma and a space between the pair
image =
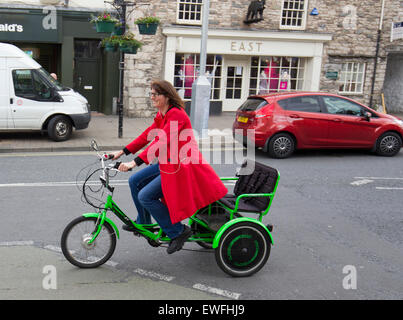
x: 397, y: 31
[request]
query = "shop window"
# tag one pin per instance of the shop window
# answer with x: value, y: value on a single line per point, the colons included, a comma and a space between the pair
x: 276, y: 74
x: 189, y: 11
x: 293, y: 14
x: 187, y: 68
x: 352, y: 78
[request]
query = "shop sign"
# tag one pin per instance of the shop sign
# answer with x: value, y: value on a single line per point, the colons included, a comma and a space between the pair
x: 40, y: 27
x: 397, y: 31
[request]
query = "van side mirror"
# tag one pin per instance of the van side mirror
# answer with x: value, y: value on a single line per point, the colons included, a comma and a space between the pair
x: 55, y: 95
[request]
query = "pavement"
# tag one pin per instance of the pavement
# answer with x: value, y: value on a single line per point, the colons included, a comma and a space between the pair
x: 104, y: 129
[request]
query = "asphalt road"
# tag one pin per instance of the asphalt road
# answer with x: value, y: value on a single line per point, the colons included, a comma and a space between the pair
x: 337, y: 220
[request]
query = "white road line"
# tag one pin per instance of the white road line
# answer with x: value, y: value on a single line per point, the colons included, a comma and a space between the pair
x: 153, y: 274
x: 16, y: 243
x: 361, y: 182
x: 388, y: 188
x: 221, y: 292
x: 378, y: 178
x: 70, y: 184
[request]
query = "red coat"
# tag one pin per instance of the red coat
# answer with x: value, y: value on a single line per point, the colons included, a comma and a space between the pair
x: 188, y: 182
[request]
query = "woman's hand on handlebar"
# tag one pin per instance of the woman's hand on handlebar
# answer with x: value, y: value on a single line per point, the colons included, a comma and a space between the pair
x: 117, y: 154
x: 126, y: 166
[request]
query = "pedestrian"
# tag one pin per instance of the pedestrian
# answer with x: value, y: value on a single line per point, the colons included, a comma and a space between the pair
x: 181, y: 178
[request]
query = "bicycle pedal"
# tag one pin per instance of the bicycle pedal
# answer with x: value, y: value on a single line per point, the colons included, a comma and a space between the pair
x: 269, y: 227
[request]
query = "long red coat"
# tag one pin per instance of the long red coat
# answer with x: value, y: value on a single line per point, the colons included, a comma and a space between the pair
x: 188, y: 182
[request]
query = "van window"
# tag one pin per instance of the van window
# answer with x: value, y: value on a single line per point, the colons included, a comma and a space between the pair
x: 253, y: 104
x: 303, y: 103
x: 29, y: 85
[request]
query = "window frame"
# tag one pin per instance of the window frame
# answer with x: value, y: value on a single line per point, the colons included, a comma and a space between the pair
x: 303, y: 21
x: 349, y: 82
x: 286, y: 100
x: 362, y: 108
x: 188, y: 21
x: 35, y: 95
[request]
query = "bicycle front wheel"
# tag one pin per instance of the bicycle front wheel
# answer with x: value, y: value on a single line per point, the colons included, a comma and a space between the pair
x: 76, y: 246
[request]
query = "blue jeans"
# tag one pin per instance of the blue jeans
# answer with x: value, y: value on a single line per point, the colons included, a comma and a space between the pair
x: 146, y: 190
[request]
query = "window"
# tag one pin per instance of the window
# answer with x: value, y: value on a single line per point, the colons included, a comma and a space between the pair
x: 276, y: 74
x: 187, y: 70
x: 293, y: 14
x: 253, y: 104
x: 304, y: 103
x: 189, y: 11
x: 352, y: 77
x: 336, y: 105
x: 28, y: 84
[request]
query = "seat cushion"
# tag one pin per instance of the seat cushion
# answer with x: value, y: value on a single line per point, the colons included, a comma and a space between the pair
x: 244, y: 206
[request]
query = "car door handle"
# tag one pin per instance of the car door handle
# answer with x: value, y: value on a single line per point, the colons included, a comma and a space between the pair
x: 295, y: 116
x: 337, y: 120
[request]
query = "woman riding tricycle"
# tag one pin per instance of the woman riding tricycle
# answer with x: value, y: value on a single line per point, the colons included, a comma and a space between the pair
x: 177, y: 183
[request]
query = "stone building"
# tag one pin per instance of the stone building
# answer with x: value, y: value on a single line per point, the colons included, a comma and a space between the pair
x: 308, y: 45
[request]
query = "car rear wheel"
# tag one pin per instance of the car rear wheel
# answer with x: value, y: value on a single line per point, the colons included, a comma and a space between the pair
x: 281, y: 145
x: 388, y: 144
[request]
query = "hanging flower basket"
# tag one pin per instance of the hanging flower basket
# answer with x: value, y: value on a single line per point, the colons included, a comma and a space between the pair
x: 104, y: 23
x: 110, y: 47
x: 149, y: 29
x: 128, y: 49
x: 148, y: 25
x: 119, y: 30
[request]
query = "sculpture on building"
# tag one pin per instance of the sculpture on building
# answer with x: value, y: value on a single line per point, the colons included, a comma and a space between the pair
x: 255, y: 11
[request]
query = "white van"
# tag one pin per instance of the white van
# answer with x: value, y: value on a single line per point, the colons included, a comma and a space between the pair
x: 30, y: 99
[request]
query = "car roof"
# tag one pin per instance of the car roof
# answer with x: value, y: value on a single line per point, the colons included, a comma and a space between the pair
x: 278, y: 95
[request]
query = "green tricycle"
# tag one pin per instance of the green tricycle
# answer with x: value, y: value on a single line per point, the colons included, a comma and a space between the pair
x: 241, y: 243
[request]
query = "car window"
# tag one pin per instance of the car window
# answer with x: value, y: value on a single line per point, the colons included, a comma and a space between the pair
x: 303, y: 103
x: 253, y: 104
x: 337, y: 105
x: 29, y: 85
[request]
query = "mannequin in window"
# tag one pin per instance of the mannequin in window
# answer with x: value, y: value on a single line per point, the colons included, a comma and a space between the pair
x: 189, y: 72
x: 272, y: 72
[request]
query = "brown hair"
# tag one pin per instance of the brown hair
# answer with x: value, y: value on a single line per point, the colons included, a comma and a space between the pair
x: 167, y: 89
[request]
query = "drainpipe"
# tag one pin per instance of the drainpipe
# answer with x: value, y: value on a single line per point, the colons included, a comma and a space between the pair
x: 378, y: 40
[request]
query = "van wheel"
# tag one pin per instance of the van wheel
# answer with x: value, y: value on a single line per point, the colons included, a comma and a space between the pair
x: 281, y: 146
x: 60, y: 128
x: 388, y: 144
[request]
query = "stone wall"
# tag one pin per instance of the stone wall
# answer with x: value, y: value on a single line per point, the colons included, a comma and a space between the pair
x: 353, y: 25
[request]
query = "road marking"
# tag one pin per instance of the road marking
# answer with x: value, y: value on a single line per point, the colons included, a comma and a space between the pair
x: 378, y: 178
x: 361, y: 182
x: 16, y: 243
x: 388, y: 188
x: 153, y: 274
x: 221, y: 292
x: 70, y: 184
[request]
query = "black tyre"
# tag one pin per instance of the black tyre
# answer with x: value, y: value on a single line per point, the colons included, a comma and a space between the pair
x: 281, y: 146
x: 243, y: 249
x: 60, y: 128
x: 388, y: 144
x: 77, y: 249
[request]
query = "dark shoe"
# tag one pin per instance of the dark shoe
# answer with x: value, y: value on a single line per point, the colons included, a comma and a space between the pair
x: 177, y: 243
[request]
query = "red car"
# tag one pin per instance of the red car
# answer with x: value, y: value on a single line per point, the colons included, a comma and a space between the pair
x: 284, y: 122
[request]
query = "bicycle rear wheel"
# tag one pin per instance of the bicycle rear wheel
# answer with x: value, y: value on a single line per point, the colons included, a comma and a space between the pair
x: 76, y: 247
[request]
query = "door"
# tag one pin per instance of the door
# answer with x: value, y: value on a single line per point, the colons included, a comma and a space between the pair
x: 347, y: 126
x: 30, y: 99
x: 4, y: 97
x: 306, y: 119
x: 87, y: 81
x: 235, y: 86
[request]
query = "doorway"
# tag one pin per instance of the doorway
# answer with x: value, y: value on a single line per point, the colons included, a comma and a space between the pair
x: 235, y: 84
x: 87, y: 75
